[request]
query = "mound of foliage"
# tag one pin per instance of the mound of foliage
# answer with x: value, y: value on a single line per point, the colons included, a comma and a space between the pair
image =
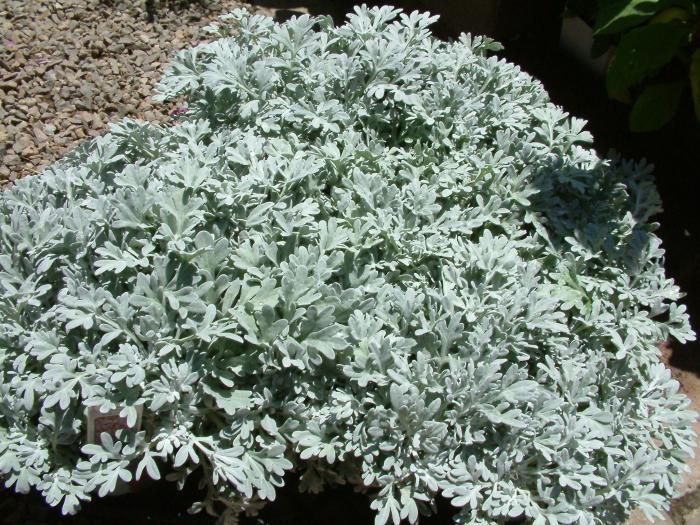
x: 363, y: 255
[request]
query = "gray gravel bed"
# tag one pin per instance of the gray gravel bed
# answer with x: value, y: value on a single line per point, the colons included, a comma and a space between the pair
x: 69, y: 67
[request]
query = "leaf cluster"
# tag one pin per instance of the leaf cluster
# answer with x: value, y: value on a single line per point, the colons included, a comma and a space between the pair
x: 364, y: 255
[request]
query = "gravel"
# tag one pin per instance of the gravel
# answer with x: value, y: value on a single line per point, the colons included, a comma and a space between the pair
x: 69, y: 67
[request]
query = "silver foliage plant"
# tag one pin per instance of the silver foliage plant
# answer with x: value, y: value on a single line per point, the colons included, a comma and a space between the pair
x: 364, y: 255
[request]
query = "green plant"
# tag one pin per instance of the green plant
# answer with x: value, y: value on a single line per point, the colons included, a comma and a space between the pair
x: 656, y: 58
x: 363, y: 254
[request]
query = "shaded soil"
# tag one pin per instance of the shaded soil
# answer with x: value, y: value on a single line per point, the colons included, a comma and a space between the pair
x: 161, y: 504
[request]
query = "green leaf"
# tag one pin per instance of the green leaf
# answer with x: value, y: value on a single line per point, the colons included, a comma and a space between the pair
x: 230, y: 401
x: 326, y: 341
x: 520, y: 391
x: 236, y: 400
x: 258, y: 215
x: 643, y: 51
x: 694, y: 73
x: 619, y: 15
x: 149, y: 464
x: 671, y: 14
x: 655, y: 106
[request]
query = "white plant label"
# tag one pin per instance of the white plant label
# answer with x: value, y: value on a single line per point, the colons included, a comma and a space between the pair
x: 99, y: 422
